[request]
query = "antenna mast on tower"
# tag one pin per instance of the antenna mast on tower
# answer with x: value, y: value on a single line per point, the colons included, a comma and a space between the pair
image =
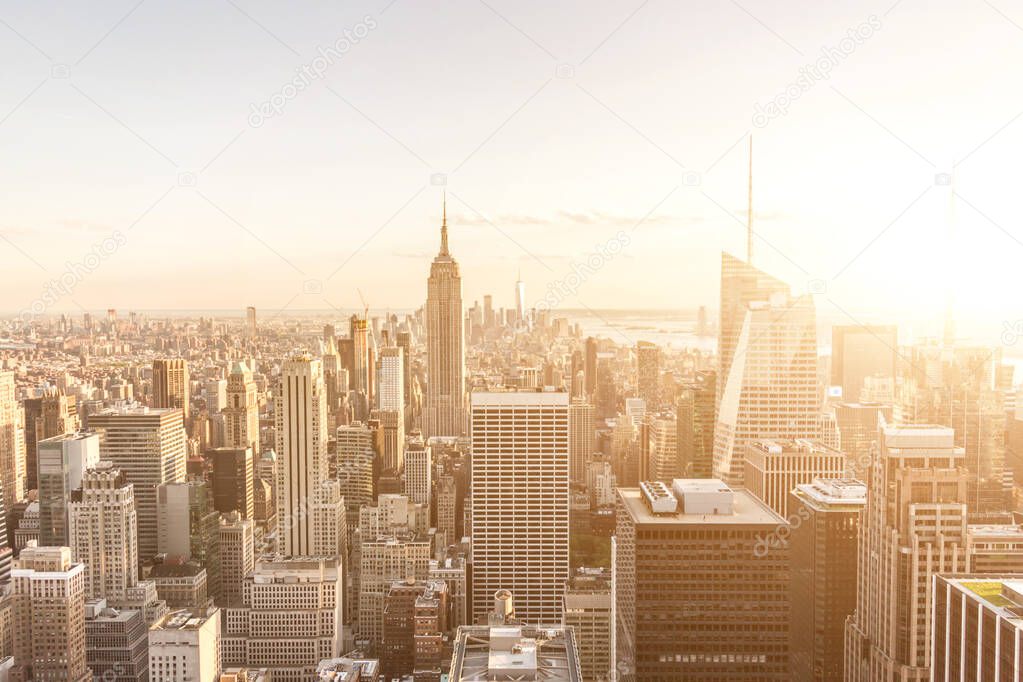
x: 749, y: 209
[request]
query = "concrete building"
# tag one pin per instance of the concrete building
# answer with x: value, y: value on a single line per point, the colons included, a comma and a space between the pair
x: 648, y: 374
x: 418, y: 470
x: 171, y: 384
x: 775, y: 467
x: 590, y: 613
x: 767, y: 379
x: 12, y: 442
x: 291, y: 618
x: 148, y: 446
x: 185, y: 646
x: 443, y: 413
x: 300, y: 409
x: 52, y: 414
x: 237, y: 557
x: 446, y: 493
x: 383, y: 561
x: 862, y: 351
x: 823, y: 544
x: 62, y: 461
x: 116, y: 643
x: 390, y: 400
x: 48, y: 610
x: 241, y: 415
x: 414, y: 626
x: 662, y: 430
x: 914, y: 527
x: 182, y: 584
x: 102, y: 530
x: 189, y: 527
x: 695, y: 414
x: 507, y: 649
x: 355, y: 456
x: 233, y: 480
x: 520, y: 501
x: 858, y: 425
x: 695, y: 596
x: 977, y: 628
x: 581, y: 417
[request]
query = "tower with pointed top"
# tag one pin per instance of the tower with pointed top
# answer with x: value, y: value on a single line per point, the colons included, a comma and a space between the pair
x: 445, y: 387
x: 520, y: 300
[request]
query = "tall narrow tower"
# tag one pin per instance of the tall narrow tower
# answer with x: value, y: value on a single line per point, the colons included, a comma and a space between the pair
x: 300, y: 409
x: 445, y: 388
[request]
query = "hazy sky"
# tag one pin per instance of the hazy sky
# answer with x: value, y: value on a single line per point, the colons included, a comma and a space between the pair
x: 557, y: 125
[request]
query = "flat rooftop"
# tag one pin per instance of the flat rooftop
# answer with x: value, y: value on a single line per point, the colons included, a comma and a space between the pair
x: 524, y: 397
x: 747, y: 510
x: 183, y: 619
x: 1003, y: 594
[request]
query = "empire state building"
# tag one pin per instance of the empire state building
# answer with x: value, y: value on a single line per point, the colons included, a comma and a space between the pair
x: 445, y: 388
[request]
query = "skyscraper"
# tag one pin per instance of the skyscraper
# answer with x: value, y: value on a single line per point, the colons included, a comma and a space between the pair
x: 741, y: 284
x: 978, y: 634
x: 103, y: 529
x: 54, y: 414
x: 62, y: 461
x: 185, y: 646
x: 241, y: 415
x: 48, y: 598
x: 662, y: 432
x: 12, y: 442
x: 589, y: 612
x: 148, y: 446
x: 291, y: 619
x: 520, y: 300
x: 696, y: 597
x: 418, y: 470
x: 914, y: 527
x: 695, y: 414
x: 771, y: 389
x: 233, y: 480
x: 775, y: 467
x: 171, y: 384
x: 300, y: 408
x: 858, y: 352
x: 520, y: 501
x: 648, y: 374
x: 581, y: 437
x: 355, y: 468
x: 445, y: 387
x: 250, y: 322
x: 237, y: 557
x: 825, y: 521
x: 590, y: 365
x: 189, y: 526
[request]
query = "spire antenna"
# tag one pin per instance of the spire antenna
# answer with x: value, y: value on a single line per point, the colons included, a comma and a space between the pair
x: 444, y: 227
x: 749, y: 208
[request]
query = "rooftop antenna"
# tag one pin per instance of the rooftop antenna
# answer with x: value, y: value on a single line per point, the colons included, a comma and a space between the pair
x: 749, y: 208
x: 444, y: 227
x: 365, y: 306
x: 948, y: 337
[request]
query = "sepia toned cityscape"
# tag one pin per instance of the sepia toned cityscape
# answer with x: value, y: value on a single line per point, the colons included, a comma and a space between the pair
x: 585, y: 341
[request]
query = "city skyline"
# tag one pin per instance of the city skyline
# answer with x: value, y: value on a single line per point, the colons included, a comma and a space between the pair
x: 228, y: 187
x: 602, y: 341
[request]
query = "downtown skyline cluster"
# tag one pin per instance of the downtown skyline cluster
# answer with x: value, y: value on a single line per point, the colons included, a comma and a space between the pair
x: 464, y: 491
x: 589, y: 341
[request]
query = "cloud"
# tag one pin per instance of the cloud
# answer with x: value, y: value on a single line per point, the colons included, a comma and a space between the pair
x: 576, y: 218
